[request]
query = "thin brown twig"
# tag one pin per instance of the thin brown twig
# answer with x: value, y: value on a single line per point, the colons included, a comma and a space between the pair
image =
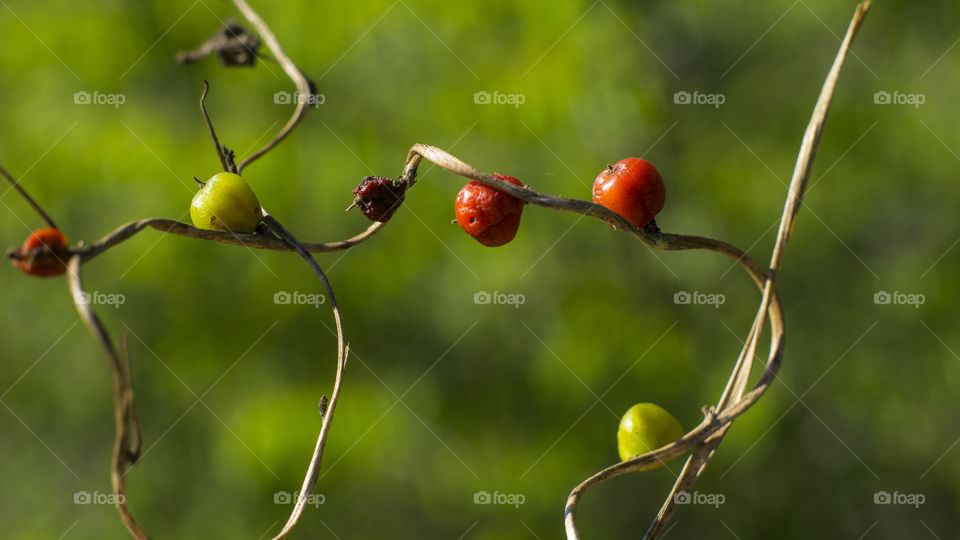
x: 292, y: 71
x: 313, y: 469
x: 698, y: 460
x: 136, y: 437
x: 126, y: 443
x: 213, y: 133
x: 451, y: 163
x: 127, y: 435
x: 255, y: 241
x: 23, y: 193
x: 714, y: 420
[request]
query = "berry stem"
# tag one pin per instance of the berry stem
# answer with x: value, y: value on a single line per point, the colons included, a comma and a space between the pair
x: 213, y: 133
x: 36, y: 206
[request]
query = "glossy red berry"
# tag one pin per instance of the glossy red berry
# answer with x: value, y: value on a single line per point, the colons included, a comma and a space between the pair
x: 631, y: 188
x: 491, y: 216
x: 378, y: 197
x: 43, y: 254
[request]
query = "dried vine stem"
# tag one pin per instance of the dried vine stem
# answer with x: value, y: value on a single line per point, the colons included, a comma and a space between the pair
x: 254, y: 241
x: 310, y: 479
x: 23, y: 193
x: 127, y: 433
x: 127, y: 439
x: 299, y: 80
x: 228, y: 166
x: 127, y: 430
x: 698, y: 460
x: 271, y: 224
x: 714, y: 420
x: 735, y: 400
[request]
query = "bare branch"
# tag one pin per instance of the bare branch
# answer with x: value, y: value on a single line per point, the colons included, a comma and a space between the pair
x: 313, y: 468
x: 23, y: 193
x: 811, y: 138
x: 299, y: 80
x: 253, y: 241
x: 714, y: 421
x: 126, y: 442
x: 213, y: 133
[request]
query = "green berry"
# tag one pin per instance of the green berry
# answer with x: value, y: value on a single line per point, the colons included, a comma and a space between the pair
x: 226, y: 203
x: 646, y: 427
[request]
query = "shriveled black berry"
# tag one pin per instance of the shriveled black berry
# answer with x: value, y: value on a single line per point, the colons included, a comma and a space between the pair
x: 378, y: 197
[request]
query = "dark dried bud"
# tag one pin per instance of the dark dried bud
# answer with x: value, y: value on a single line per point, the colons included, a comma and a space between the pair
x: 235, y: 47
x: 378, y: 197
x: 239, y: 46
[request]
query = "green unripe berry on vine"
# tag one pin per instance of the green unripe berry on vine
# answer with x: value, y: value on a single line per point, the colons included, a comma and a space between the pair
x: 226, y: 203
x: 646, y: 427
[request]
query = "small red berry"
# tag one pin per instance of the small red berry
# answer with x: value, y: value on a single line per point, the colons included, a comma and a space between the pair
x: 489, y: 215
x: 43, y: 254
x: 631, y: 188
x: 378, y: 197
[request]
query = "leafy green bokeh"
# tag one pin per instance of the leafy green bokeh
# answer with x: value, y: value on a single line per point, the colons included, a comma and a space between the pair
x: 445, y: 398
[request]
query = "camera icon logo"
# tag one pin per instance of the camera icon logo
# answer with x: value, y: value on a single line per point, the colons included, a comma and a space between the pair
x: 81, y: 497
x: 681, y: 497
x: 681, y: 298
x: 482, y: 497
x: 482, y: 298
x: 82, y: 298
x: 681, y: 98
x: 81, y: 98
x: 881, y: 98
x: 282, y: 298
x: 881, y: 497
x: 282, y: 497
x: 882, y: 298
x: 283, y: 98
x: 482, y: 98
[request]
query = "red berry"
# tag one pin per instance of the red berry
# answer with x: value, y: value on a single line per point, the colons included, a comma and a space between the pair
x: 489, y: 215
x: 378, y: 197
x: 631, y: 188
x: 44, y: 253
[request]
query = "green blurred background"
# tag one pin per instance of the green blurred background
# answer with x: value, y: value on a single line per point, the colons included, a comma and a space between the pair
x: 445, y: 398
